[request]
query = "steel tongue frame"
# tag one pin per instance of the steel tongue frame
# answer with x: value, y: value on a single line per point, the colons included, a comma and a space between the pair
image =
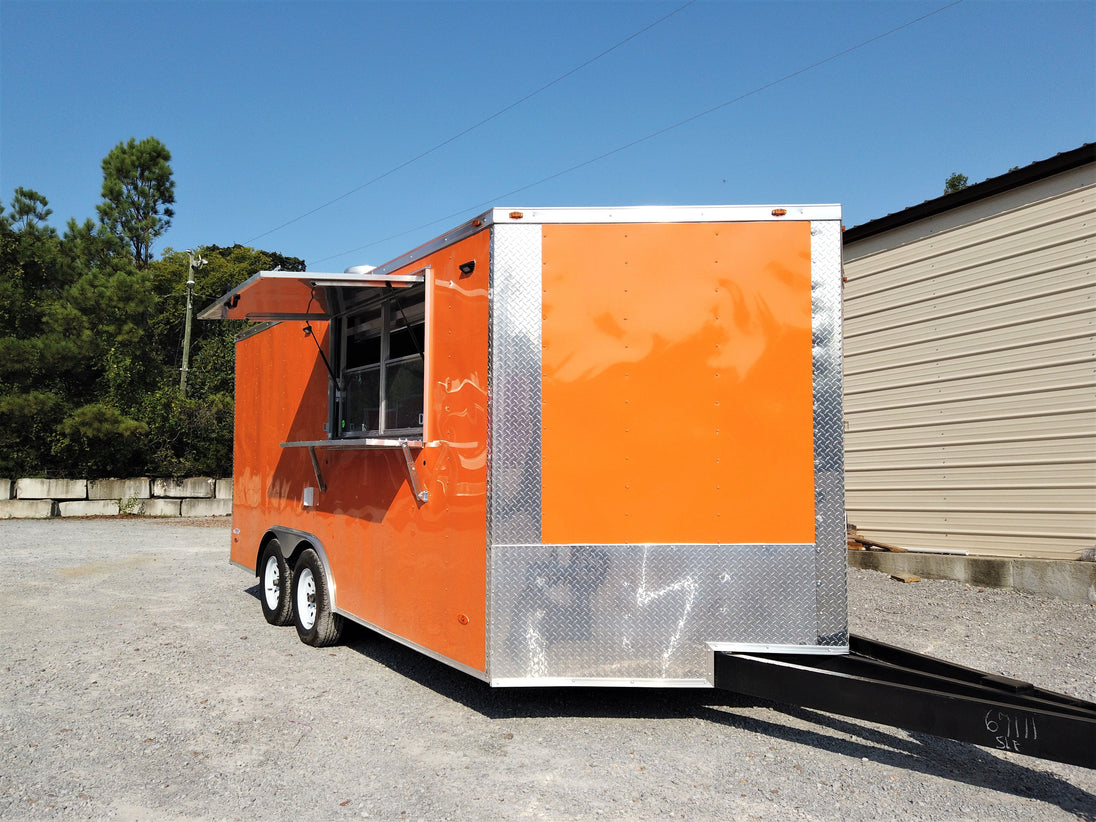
x: 892, y: 686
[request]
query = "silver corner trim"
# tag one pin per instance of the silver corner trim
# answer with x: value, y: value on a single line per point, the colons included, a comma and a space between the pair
x: 763, y: 648
x: 595, y: 682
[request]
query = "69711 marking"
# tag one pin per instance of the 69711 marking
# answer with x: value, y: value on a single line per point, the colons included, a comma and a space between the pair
x: 1009, y: 730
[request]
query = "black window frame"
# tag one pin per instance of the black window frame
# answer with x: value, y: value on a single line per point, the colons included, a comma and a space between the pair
x: 393, y: 310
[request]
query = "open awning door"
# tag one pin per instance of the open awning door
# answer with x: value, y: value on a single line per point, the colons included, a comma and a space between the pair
x: 302, y: 295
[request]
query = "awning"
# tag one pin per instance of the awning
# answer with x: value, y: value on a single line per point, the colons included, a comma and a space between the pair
x: 301, y: 295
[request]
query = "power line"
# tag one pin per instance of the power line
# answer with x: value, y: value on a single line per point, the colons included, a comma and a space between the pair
x: 472, y: 128
x: 659, y: 132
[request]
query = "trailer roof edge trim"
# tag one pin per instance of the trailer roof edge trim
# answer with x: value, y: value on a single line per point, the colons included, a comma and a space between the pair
x: 622, y: 214
x: 301, y: 295
x: 663, y: 213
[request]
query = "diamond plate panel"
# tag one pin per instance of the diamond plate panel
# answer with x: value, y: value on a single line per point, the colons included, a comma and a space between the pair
x: 642, y: 611
x: 513, y: 400
x: 829, y: 482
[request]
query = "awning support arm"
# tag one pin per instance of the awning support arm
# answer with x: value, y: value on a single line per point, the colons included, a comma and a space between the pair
x: 316, y: 468
x: 420, y: 494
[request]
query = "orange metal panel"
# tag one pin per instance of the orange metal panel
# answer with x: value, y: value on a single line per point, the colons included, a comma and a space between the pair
x: 416, y: 570
x: 274, y: 370
x: 677, y: 383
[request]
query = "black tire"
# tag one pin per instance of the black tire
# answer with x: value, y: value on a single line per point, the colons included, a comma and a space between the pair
x: 275, y: 585
x: 316, y: 624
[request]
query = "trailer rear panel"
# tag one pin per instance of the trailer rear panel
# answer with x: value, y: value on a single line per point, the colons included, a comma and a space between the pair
x: 682, y: 486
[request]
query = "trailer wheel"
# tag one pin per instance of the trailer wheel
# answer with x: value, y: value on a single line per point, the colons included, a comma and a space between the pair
x: 275, y: 585
x: 316, y: 624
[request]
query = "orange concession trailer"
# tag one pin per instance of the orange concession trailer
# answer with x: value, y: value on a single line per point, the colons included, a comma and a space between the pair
x: 555, y: 446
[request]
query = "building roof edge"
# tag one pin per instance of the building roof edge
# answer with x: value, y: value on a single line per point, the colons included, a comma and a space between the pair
x: 1038, y: 170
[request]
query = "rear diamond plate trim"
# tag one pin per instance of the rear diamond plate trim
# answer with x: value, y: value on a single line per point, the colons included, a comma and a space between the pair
x: 513, y: 398
x: 642, y: 611
x: 514, y: 380
x: 829, y: 479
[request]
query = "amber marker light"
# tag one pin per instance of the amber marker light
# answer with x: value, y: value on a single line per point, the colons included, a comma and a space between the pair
x: 477, y: 223
x: 516, y: 215
x: 779, y: 212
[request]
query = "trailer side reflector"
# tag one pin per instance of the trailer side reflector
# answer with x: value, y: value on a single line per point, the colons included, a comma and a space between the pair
x: 516, y: 215
x: 779, y: 212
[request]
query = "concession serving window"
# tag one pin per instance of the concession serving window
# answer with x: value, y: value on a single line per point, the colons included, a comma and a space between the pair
x: 377, y: 358
x: 381, y: 362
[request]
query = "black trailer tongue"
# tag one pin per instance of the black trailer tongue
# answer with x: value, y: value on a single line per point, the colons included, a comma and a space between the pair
x: 892, y: 686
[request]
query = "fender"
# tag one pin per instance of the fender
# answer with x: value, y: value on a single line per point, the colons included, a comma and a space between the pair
x: 292, y: 542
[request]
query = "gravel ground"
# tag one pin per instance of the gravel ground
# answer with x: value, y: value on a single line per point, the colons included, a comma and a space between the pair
x: 139, y: 681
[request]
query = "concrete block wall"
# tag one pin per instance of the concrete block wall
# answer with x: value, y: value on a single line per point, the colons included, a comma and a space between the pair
x: 34, y: 488
x: 159, y: 508
x: 35, y: 498
x: 27, y: 508
x: 90, y: 508
x: 1071, y: 580
x: 120, y: 489
x: 194, y: 487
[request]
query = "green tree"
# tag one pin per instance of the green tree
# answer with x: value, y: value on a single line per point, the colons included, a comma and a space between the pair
x: 73, y: 346
x: 29, y: 209
x: 138, y: 192
x: 33, y: 362
x: 30, y: 263
x: 99, y: 440
x: 91, y: 335
x: 956, y: 182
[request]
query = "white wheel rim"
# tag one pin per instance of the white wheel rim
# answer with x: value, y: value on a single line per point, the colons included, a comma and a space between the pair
x: 272, y: 583
x: 306, y: 599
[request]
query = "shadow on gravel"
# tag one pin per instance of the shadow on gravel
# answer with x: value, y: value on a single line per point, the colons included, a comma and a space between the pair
x: 920, y: 753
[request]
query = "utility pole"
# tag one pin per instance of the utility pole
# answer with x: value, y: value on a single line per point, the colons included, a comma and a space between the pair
x: 194, y: 262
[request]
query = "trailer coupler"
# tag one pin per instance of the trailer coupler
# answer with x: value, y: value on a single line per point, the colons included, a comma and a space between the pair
x: 885, y: 684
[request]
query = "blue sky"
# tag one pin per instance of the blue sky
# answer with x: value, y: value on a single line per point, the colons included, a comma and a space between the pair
x: 273, y: 109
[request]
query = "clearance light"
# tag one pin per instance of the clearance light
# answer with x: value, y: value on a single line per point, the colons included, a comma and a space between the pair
x: 516, y: 215
x: 477, y: 223
x: 779, y: 212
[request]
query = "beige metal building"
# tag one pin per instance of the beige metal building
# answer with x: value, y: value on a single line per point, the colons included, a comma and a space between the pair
x: 970, y: 367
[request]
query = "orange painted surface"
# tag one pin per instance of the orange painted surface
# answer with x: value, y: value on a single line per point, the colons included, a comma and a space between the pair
x: 677, y: 384
x: 418, y: 571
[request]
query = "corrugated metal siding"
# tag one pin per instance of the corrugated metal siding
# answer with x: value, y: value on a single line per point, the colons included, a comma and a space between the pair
x: 970, y: 384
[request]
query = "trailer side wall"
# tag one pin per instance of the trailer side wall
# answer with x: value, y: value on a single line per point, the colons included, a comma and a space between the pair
x: 414, y: 570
